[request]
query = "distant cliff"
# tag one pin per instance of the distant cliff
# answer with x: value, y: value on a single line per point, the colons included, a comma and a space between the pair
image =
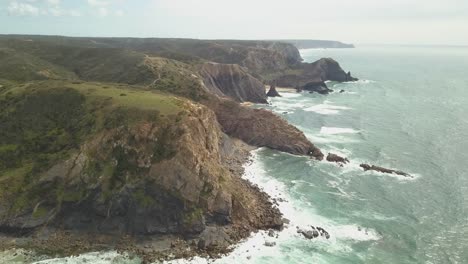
x: 316, y: 44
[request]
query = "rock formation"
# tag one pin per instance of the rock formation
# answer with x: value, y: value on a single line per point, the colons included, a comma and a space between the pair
x: 262, y: 128
x: 314, y: 74
x: 335, y: 158
x: 272, y: 92
x: 367, y: 167
x: 317, y: 87
x: 233, y: 81
x: 139, y: 174
x: 314, y: 232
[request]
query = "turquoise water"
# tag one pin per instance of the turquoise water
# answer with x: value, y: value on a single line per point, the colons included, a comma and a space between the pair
x: 407, y: 112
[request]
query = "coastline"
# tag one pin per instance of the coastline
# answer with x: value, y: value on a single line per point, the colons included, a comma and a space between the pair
x: 52, y: 244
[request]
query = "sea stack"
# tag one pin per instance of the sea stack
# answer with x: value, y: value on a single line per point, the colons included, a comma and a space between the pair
x: 272, y: 92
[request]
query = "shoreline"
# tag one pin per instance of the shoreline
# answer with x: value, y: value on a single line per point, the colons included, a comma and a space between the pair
x: 50, y: 243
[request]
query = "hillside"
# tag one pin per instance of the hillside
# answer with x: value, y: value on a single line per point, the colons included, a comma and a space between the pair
x: 140, y: 138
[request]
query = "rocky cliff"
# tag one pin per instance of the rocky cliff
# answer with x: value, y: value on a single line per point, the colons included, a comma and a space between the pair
x: 262, y: 128
x: 314, y: 74
x: 136, y: 172
x: 233, y: 81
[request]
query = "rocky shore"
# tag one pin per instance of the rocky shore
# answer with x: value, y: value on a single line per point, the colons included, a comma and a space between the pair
x: 139, y: 146
x: 212, y: 242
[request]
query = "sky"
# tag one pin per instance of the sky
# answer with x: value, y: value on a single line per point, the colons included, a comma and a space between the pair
x: 413, y: 22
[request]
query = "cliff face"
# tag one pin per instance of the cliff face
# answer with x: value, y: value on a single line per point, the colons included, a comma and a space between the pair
x: 270, y: 58
x: 262, y: 128
x: 144, y: 174
x: 233, y: 81
x: 314, y: 44
x: 314, y: 74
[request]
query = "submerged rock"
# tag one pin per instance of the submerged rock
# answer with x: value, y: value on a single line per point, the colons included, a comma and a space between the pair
x: 367, y: 167
x: 270, y: 244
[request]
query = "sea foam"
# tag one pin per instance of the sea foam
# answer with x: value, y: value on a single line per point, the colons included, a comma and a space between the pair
x: 300, y: 214
x: 327, y: 108
x: 337, y: 130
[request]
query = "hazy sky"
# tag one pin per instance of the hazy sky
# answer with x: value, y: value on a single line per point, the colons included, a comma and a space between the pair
x: 354, y: 21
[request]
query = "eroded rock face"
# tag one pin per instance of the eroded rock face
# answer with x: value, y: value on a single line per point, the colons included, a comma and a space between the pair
x: 262, y: 128
x: 233, y: 81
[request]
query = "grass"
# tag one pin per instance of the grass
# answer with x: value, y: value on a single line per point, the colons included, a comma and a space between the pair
x: 132, y: 98
x: 44, y: 122
x: 20, y: 66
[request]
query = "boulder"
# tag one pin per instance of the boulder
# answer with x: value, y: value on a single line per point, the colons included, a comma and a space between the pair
x: 309, y: 234
x: 213, y: 237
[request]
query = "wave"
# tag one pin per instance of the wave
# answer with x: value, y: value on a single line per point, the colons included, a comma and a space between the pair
x: 300, y: 214
x: 290, y: 94
x: 361, y: 81
x: 326, y: 108
x: 337, y: 130
x: 93, y: 257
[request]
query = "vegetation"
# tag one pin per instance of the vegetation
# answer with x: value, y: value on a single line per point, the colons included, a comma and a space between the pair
x: 44, y: 122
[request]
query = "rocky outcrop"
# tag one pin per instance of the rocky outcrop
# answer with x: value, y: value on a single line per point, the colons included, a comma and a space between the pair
x: 262, y: 128
x: 313, y: 232
x: 338, y: 159
x: 315, y: 74
x: 368, y: 167
x: 272, y: 92
x: 320, y: 87
x: 145, y: 179
x: 233, y: 81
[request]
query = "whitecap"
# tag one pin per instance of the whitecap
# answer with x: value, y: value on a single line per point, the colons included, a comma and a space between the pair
x: 361, y: 81
x: 337, y: 130
x: 326, y: 109
x: 290, y: 94
x: 93, y: 257
x: 300, y: 214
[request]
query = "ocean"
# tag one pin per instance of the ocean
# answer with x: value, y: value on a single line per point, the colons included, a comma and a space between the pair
x: 407, y: 112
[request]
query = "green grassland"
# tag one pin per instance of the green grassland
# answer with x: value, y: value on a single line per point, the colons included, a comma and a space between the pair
x: 44, y: 122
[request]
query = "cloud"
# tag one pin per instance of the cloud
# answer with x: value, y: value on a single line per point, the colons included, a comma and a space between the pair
x: 119, y: 13
x: 102, y: 11
x: 52, y: 8
x: 22, y: 9
x: 100, y: 3
x: 53, y: 2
